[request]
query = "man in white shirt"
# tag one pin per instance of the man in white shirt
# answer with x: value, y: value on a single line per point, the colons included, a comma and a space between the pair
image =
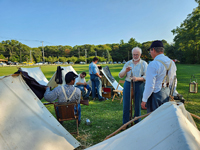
x: 135, y: 70
x: 159, y: 78
x: 82, y: 85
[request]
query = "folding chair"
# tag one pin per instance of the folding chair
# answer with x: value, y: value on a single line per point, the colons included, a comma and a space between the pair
x: 118, y: 91
x: 65, y: 112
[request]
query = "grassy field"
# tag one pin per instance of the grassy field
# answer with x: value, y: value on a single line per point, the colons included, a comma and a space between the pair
x: 106, y: 116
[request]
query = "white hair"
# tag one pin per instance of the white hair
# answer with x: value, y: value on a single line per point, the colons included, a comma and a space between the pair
x: 137, y: 48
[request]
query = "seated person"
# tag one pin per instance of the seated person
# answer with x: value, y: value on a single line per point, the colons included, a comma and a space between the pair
x: 71, y: 94
x: 82, y: 85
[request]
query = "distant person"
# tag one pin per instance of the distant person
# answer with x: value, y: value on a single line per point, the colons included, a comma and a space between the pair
x: 159, y: 77
x: 138, y: 68
x: 82, y: 85
x: 73, y: 94
x: 95, y: 78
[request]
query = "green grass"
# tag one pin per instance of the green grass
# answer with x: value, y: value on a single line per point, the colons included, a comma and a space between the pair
x: 106, y: 117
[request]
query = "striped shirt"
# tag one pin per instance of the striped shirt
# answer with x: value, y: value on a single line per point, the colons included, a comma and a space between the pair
x: 57, y: 93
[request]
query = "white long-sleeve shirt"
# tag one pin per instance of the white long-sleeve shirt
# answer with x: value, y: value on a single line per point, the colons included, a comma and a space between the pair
x: 155, y: 74
x: 79, y: 79
x: 136, y: 69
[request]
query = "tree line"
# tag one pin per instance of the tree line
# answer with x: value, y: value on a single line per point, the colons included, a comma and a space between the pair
x: 185, y: 47
x: 16, y: 51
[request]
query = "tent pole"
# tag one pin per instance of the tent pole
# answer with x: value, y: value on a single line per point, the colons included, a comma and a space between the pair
x: 195, y: 116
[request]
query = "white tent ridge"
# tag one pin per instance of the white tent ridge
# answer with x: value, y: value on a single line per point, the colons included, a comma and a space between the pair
x: 52, y: 83
x: 25, y: 123
x: 168, y: 127
x: 37, y: 74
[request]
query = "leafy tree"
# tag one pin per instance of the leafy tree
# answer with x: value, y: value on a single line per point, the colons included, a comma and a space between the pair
x: 82, y: 58
x: 73, y: 59
x: 1, y: 56
x: 62, y: 59
x: 187, y: 37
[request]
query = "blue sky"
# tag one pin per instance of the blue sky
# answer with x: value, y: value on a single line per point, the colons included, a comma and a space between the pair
x: 78, y: 22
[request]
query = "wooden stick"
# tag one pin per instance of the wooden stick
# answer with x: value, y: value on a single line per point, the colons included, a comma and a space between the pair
x: 124, y: 126
x: 48, y: 103
x: 195, y: 116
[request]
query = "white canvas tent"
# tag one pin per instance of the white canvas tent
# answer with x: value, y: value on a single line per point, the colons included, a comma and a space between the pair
x: 25, y: 123
x: 37, y: 74
x: 65, y: 70
x: 107, y: 79
x: 168, y: 127
x: 107, y: 76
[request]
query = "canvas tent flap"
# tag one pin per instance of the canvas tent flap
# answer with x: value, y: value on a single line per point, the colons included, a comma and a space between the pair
x: 37, y: 74
x: 65, y: 70
x: 25, y: 123
x: 168, y: 127
x: 106, y: 72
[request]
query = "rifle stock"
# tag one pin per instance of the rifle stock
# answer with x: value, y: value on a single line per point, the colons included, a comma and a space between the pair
x: 84, y: 102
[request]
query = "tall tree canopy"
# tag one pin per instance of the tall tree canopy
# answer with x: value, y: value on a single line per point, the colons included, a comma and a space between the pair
x: 187, y: 37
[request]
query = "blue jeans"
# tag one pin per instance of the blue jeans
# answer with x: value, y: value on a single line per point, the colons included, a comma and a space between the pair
x: 79, y: 111
x: 96, y: 83
x: 157, y: 99
x: 139, y: 88
x: 84, y: 94
x: 75, y: 111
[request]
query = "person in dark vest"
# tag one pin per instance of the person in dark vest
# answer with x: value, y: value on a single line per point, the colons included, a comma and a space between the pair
x: 65, y: 93
x: 159, y: 78
x: 135, y: 70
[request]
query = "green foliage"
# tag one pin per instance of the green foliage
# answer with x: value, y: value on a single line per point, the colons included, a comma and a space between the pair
x: 63, y: 59
x: 82, y: 58
x: 1, y: 56
x: 51, y: 59
x: 73, y: 59
x: 187, y: 37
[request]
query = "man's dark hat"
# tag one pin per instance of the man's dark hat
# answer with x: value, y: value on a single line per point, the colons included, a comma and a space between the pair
x: 156, y: 43
x: 70, y: 76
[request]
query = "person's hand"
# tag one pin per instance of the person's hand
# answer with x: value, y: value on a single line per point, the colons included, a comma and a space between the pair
x: 128, y: 69
x: 85, y: 88
x: 134, y: 79
x: 100, y: 76
x: 85, y: 83
x: 143, y: 105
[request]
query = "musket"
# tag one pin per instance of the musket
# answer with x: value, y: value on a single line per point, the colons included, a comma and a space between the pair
x: 172, y: 89
x: 132, y: 90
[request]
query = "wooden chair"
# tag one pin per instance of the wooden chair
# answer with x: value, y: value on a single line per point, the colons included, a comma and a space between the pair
x: 66, y: 112
x: 118, y: 91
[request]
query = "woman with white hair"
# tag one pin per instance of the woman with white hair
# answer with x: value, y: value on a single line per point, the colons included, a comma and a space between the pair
x: 135, y: 70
